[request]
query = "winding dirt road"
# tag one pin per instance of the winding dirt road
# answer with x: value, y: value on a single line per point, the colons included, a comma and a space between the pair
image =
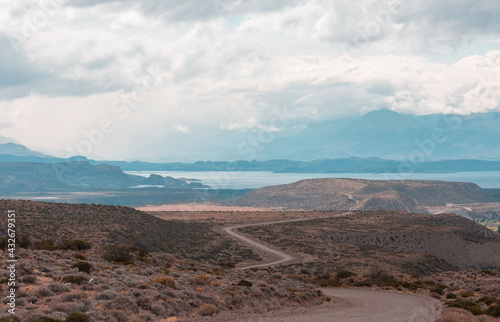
x: 253, y: 243
x: 350, y: 305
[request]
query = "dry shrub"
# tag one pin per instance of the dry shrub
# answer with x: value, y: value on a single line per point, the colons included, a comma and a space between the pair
x: 201, y: 280
x: 207, y: 309
x: 459, y: 315
x: 165, y: 281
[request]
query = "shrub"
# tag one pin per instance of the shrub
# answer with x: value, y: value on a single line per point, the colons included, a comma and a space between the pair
x: 207, y: 309
x: 304, y: 271
x: 106, y: 295
x: 44, y: 291
x: 46, y: 319
x: 29, y: 279
x: 165, y: 281
x: 75, y: 244
x: 23, y: 241
x: 119, y: 254
x: 83, y: 267
x: 437, y: 289
x: 201, y: 280
x: 78, y: 317
x: 45, y: 244
x: 73, y: 297
x: 487, y: 300
x: 487, y: 272
x: 141, y: 252
x: 435, y: 295
x: 450, y: 296
x: 244, y: 283
x: 362, y: 283
x: 344, y: 274
x: 494, y: 310
x: 381, y: 277
x: 57, y: 288
x: 73, y: 279
x: 79, y: 256
x: 466, y: 305
x: 3, y: 243
x: 466, y: 294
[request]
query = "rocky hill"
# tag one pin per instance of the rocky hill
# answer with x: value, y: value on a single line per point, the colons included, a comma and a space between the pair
x: 63, y: 176
x: 338, y: 194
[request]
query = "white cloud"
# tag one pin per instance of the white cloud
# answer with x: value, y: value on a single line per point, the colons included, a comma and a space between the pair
x: 180, y: 129
x: 225, y: 71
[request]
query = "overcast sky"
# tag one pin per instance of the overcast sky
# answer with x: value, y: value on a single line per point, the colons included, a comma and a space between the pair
x: 159, y: 78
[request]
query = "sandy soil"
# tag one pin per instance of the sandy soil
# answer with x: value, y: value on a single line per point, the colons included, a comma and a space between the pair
x: 200, y: 207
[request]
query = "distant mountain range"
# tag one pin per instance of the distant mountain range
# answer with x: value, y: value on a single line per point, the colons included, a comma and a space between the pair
x: 380, y: 141
x: 390, y: 135
x: 11, y: 152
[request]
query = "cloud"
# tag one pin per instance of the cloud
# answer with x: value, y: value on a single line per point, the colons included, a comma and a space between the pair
x: 180, y: 129
x: 226, y: 65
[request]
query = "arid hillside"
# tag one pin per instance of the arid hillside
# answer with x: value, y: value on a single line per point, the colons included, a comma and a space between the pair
x: 103, y: 225
x: 389, y: 240
x: 357, y: 194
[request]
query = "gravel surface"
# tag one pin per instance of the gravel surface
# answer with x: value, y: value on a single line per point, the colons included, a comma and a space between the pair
x: 352, y: 305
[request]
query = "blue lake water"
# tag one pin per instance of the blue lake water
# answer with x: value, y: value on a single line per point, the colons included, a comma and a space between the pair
x: 258, y: 179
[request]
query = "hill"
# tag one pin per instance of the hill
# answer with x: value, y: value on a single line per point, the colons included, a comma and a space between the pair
x: 393, y: 241
x: 64, y: 176
x: 103, y: 225
x: 338, y: 194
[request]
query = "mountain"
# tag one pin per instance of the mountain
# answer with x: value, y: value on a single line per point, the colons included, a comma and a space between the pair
x: 71, y: 176
x: 358, y: 194
x: 20, y: 150
x: 4, y: 139
x: 391, y: 135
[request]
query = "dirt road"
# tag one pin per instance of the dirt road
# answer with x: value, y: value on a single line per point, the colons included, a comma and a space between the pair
x: 348, y: 304
x: 352, y: 305
x: 262, y: 247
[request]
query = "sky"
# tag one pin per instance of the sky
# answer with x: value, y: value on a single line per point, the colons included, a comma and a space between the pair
x: 168, y: 80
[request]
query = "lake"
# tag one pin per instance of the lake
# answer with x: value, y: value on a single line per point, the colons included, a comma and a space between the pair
x: 258, y: 179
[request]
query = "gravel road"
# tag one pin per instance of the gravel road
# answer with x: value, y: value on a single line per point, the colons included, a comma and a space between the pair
x: 360, y: 304
x: 352, y: 305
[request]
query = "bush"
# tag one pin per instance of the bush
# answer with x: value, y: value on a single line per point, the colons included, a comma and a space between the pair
x: 487, y: 300
x: 119, y: 254
x: 381, y: 277
x: 3, y: 243
x: 23, y: 241
x: 437, y: 289
x: 207, y: 309
x: 165, y: 281
x: 304, y: 271
x: 344, y: 274
x: 75, y: 244
x: 450, y: 296
x: 29, y: 279
x: 83, y: 267
x: 465, y: 305
x: 45, y: 244
x: 244, y: 283
x: 46, y: 319
x: 466, y: 294
x: 494, y: 310
x: 57, y: 288
x: 362, y: 283
x: 79, y: 256
x: 78, y: 317
x: 73, y: 279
